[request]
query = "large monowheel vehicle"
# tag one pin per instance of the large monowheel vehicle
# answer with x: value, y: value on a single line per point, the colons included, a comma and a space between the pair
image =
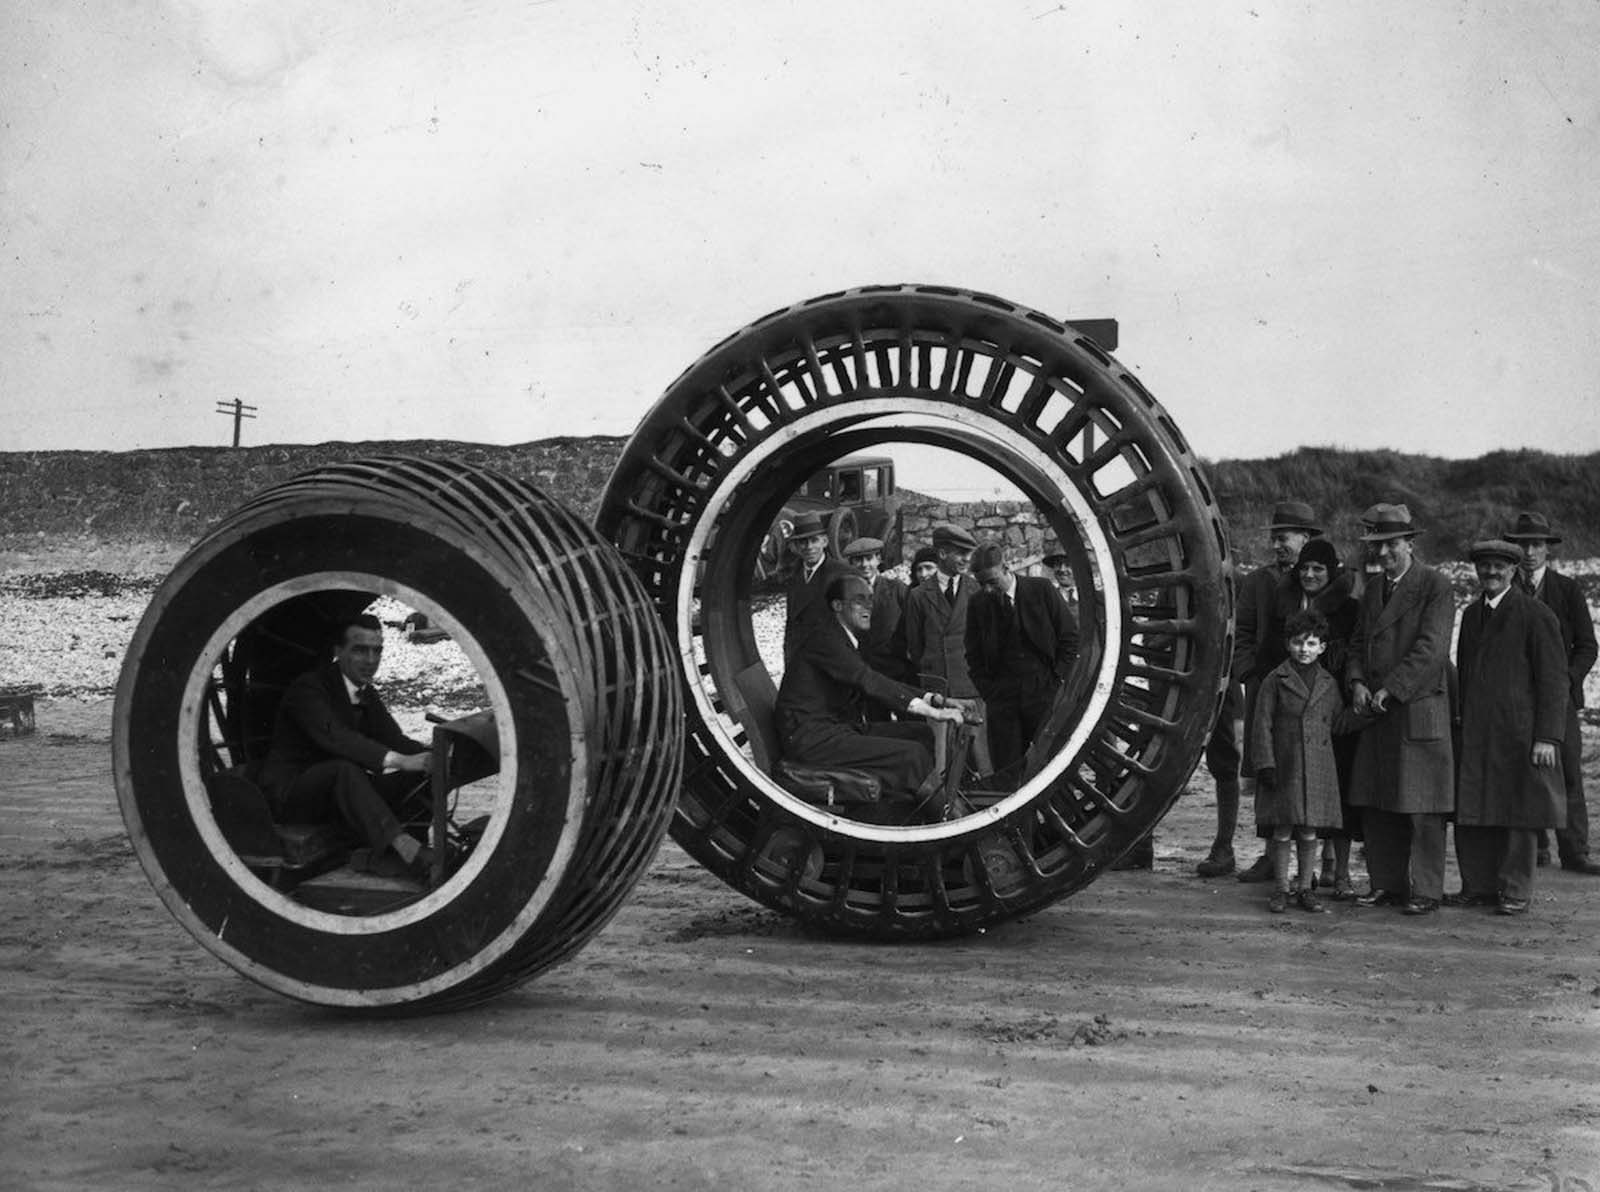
x: 698, y: 487
x: 575, y: 671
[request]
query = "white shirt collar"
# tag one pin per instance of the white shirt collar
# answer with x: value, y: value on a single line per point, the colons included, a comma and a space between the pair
x: 1494, y: 601
x: 1537, y: 577
x: 855, y: 642
x: 353, y: 690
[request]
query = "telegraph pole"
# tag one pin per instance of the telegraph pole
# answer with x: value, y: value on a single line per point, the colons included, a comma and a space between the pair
x: 237, y: 408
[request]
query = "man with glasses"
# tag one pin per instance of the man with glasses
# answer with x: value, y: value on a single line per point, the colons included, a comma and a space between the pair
x: 827, y: 688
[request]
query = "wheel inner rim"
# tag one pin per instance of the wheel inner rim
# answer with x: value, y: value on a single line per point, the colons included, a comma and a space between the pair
x: 193, y: 711
x: 932, y: 415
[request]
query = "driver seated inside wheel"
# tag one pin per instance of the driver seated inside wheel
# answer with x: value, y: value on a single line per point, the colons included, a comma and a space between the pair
x: 823, y: 699
x: 337, y: 753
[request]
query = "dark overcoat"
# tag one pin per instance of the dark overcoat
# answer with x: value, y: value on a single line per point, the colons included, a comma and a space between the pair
x: 1513, y: 680
x: 1562, y: 596
x: 1404, y: 763
x: 1293, y: 732
x: 1253, y: 635
x: 936, y: 633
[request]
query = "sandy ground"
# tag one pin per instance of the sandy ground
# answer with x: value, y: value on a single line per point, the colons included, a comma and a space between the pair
x: 1154, y: 1031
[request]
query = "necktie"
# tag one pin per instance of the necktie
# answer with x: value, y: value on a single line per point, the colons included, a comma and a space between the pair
x: 1388, y: 589
x: 950, y: 592
x: 1523, y: 583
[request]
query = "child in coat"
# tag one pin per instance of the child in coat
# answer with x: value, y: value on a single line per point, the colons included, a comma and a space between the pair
x: 1297, y: 782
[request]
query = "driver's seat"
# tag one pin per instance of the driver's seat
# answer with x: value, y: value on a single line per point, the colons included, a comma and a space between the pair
x: 752, y: 702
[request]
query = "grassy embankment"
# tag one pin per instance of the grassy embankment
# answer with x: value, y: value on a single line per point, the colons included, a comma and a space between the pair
x: 171, y: 496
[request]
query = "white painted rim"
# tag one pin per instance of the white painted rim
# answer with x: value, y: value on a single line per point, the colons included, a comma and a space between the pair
x: 722, y: 726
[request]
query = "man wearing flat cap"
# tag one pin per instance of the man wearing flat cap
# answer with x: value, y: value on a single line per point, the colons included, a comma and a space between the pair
x: 1293, y: 524
x: 936, y: 611
x: 1513, y: 708
x: 1021, y: 642
x: 884, y: 643
x: 805, y: 603
x: 1562, y: 596
x: 1398, y: 673
x: 936, y: 624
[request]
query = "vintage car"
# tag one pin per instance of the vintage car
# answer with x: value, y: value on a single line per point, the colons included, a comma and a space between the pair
x: 855, y: 497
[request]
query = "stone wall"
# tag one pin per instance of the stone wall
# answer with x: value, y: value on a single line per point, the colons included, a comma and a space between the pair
x: 1017, y: 524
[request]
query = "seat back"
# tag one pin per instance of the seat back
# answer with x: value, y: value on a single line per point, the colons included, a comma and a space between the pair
x: 753, y: 702
x: 241, y: 811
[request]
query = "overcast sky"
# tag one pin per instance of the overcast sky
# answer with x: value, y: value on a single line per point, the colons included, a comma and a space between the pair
x: 1362, y: 224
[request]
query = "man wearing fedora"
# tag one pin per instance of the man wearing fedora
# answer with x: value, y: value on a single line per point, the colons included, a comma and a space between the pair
x: 1562, y: 596
x: 806, y: 603
x: 884, y: 644
x: 1398, y: 673
x: 1513, y: 681
x: 1293, y: 524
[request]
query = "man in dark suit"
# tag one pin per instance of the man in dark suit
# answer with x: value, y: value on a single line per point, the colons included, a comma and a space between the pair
x: 884, y: 646
x: 827, y: 686
x: 336, y: 753
x: 936, y: 627
x: 805, y: 602
x: 1398, y: 671
x: 1562, y: 596
x: 1513, y: 681
x: 1021, y: 642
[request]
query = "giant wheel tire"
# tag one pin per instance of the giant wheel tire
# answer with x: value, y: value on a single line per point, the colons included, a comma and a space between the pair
x: 573, y: 660
x: 702, y: 478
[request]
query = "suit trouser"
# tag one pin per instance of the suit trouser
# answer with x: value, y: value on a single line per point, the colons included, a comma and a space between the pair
x: 1405, y: 851
x: 1014, y: 714
x: 1496, y: 861
x: 364, y: 802
x: 898, y: 754
x: 1223, y: 752
x: 1572, y: 842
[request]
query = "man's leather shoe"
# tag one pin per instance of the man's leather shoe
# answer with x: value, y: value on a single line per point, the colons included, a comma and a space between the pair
x: 1421, y: 906
x: 1219, y: 863
x: 1380, y: 898
x: 1513, y: 906
x: 1581, y: 865
x: 1466, y: 899
x: 1261, y: 871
